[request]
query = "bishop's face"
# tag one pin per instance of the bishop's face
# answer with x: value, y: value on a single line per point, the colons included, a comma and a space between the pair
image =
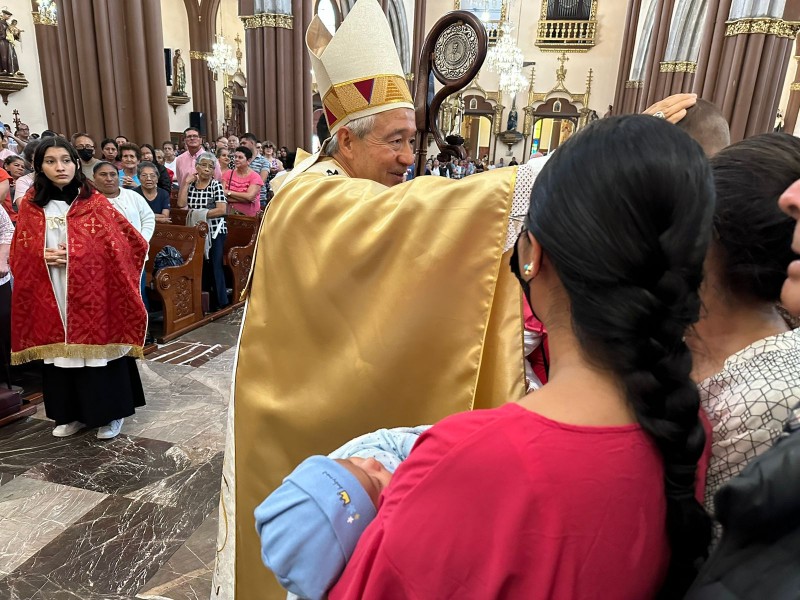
x: 384, y: 154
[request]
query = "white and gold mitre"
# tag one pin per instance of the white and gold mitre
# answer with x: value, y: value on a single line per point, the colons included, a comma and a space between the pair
x: 357, y: 70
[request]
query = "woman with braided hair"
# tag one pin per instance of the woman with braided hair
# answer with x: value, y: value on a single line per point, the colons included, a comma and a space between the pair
x: 584, y: 488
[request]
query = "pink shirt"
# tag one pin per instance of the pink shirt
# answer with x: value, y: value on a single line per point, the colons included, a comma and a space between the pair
x: 236, y: 183
x: 184, y: 165
x: 506, y: 503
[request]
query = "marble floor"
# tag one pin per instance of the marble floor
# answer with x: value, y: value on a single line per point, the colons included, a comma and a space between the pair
x: 130, y: 518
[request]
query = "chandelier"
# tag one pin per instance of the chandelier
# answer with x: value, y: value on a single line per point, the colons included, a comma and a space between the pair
x: 48, y: 12
x: 505, y: 58
x: 222, y: 59
x: 512, y: 82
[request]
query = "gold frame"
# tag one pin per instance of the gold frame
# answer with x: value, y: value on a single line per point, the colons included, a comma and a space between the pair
x: 274, y: 21
x: 558, y: 47
x: 763, y: 25
x: 678, y: 66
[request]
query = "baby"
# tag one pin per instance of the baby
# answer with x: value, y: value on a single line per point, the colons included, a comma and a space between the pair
x: 310, y: 525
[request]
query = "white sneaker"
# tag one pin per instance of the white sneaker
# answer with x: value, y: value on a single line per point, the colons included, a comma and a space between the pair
x: 68, y: 429
x: 107, y: 432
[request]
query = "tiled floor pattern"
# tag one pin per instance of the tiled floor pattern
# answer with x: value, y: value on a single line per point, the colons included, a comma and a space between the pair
x: 133, y: 517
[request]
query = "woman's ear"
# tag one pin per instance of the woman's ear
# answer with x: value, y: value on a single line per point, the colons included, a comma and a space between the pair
x: 532, y: 256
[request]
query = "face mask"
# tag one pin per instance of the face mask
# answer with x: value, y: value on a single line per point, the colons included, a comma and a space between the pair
x: 86, y: 155
x: 526, y: 289
x: 526, y: 285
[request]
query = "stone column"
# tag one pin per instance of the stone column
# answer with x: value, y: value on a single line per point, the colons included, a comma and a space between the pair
x: 623, y: 91
x: 279, y: 74
x: 751, y: 68
x: 202, y: 31
x: 793, y: 108
x: 105, y: 70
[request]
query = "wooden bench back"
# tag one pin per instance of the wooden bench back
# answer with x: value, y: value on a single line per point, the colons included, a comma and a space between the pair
x: 241, y: 231
x: 178, y: 216
x: 186, y: 240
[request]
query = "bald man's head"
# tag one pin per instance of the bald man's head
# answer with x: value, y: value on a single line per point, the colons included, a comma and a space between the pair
x: 705, y: 123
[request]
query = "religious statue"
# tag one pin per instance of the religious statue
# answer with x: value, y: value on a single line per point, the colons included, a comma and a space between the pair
x: 778, y: 121
x: 9, y: 32
x: 458, y: 116
x: 179, y: 75
x: 567, y: 128
x: 511, y: 125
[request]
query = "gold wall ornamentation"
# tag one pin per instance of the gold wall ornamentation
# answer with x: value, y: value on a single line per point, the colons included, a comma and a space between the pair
x: 39, y: 19
x: 566, y: 35
x: 634, y: 84
x: 678, y: 66
x: 274, y: 21
x: 197, y: 55
x: 763, y: 25
x: 795, y: 87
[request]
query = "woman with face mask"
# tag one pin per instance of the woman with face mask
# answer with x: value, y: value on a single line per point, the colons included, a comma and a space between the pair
x: 84, y: 144
x: 584, y: 488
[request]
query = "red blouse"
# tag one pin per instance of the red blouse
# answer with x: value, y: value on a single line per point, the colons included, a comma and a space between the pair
x: 506, y: 503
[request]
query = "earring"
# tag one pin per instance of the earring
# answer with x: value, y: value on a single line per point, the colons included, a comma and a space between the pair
x: 527, y: 268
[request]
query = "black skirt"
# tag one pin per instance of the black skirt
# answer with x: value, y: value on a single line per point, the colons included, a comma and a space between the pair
x: 94, y: 396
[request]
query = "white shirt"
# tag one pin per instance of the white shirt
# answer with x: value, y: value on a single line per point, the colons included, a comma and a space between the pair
x: 23, y: 184
x: 6, y: 234
x: 136, y: 209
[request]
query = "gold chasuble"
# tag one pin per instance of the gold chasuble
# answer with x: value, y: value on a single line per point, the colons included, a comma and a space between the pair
x: 370, y: 307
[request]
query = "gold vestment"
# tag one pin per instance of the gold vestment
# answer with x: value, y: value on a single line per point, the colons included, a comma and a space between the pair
x: 369, y: 307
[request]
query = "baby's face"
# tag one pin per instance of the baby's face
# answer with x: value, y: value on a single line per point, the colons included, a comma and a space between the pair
x: 371, y: 474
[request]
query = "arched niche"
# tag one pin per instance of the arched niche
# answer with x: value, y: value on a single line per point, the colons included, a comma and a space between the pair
x: 554, y: 121
x: 477, y: 127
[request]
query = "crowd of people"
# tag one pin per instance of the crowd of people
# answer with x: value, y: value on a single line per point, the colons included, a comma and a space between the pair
x: 90, y: 378
x: 458, y: 169
x: 673, y: 364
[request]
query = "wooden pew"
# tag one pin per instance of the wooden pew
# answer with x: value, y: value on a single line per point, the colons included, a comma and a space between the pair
x: 240, y: 246
x: 179, y: 287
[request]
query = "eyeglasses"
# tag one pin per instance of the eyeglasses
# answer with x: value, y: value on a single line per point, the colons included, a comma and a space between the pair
x: 148, y: 176
x: 84, y: 147
x: 192, y: 137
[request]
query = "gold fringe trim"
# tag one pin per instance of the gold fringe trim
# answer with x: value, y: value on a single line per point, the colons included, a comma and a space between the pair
x: 86, y: 351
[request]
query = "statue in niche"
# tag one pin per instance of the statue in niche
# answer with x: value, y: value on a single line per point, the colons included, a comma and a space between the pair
x: 458, y: 116
x: 567, y: 128
x: 778, y: 122
x: 178, y: 74
x: 511, y: 124
x: 9, y: 33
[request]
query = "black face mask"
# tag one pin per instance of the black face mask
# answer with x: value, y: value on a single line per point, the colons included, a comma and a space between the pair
x: 526, y: 289
x: 86, y: 155
x: 526, y: 285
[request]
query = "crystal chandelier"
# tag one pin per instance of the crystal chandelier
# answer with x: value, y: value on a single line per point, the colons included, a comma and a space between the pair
x: 512, y: 82
x: 222, y: 59
x: 48, y: 11
x: 505, y: 58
